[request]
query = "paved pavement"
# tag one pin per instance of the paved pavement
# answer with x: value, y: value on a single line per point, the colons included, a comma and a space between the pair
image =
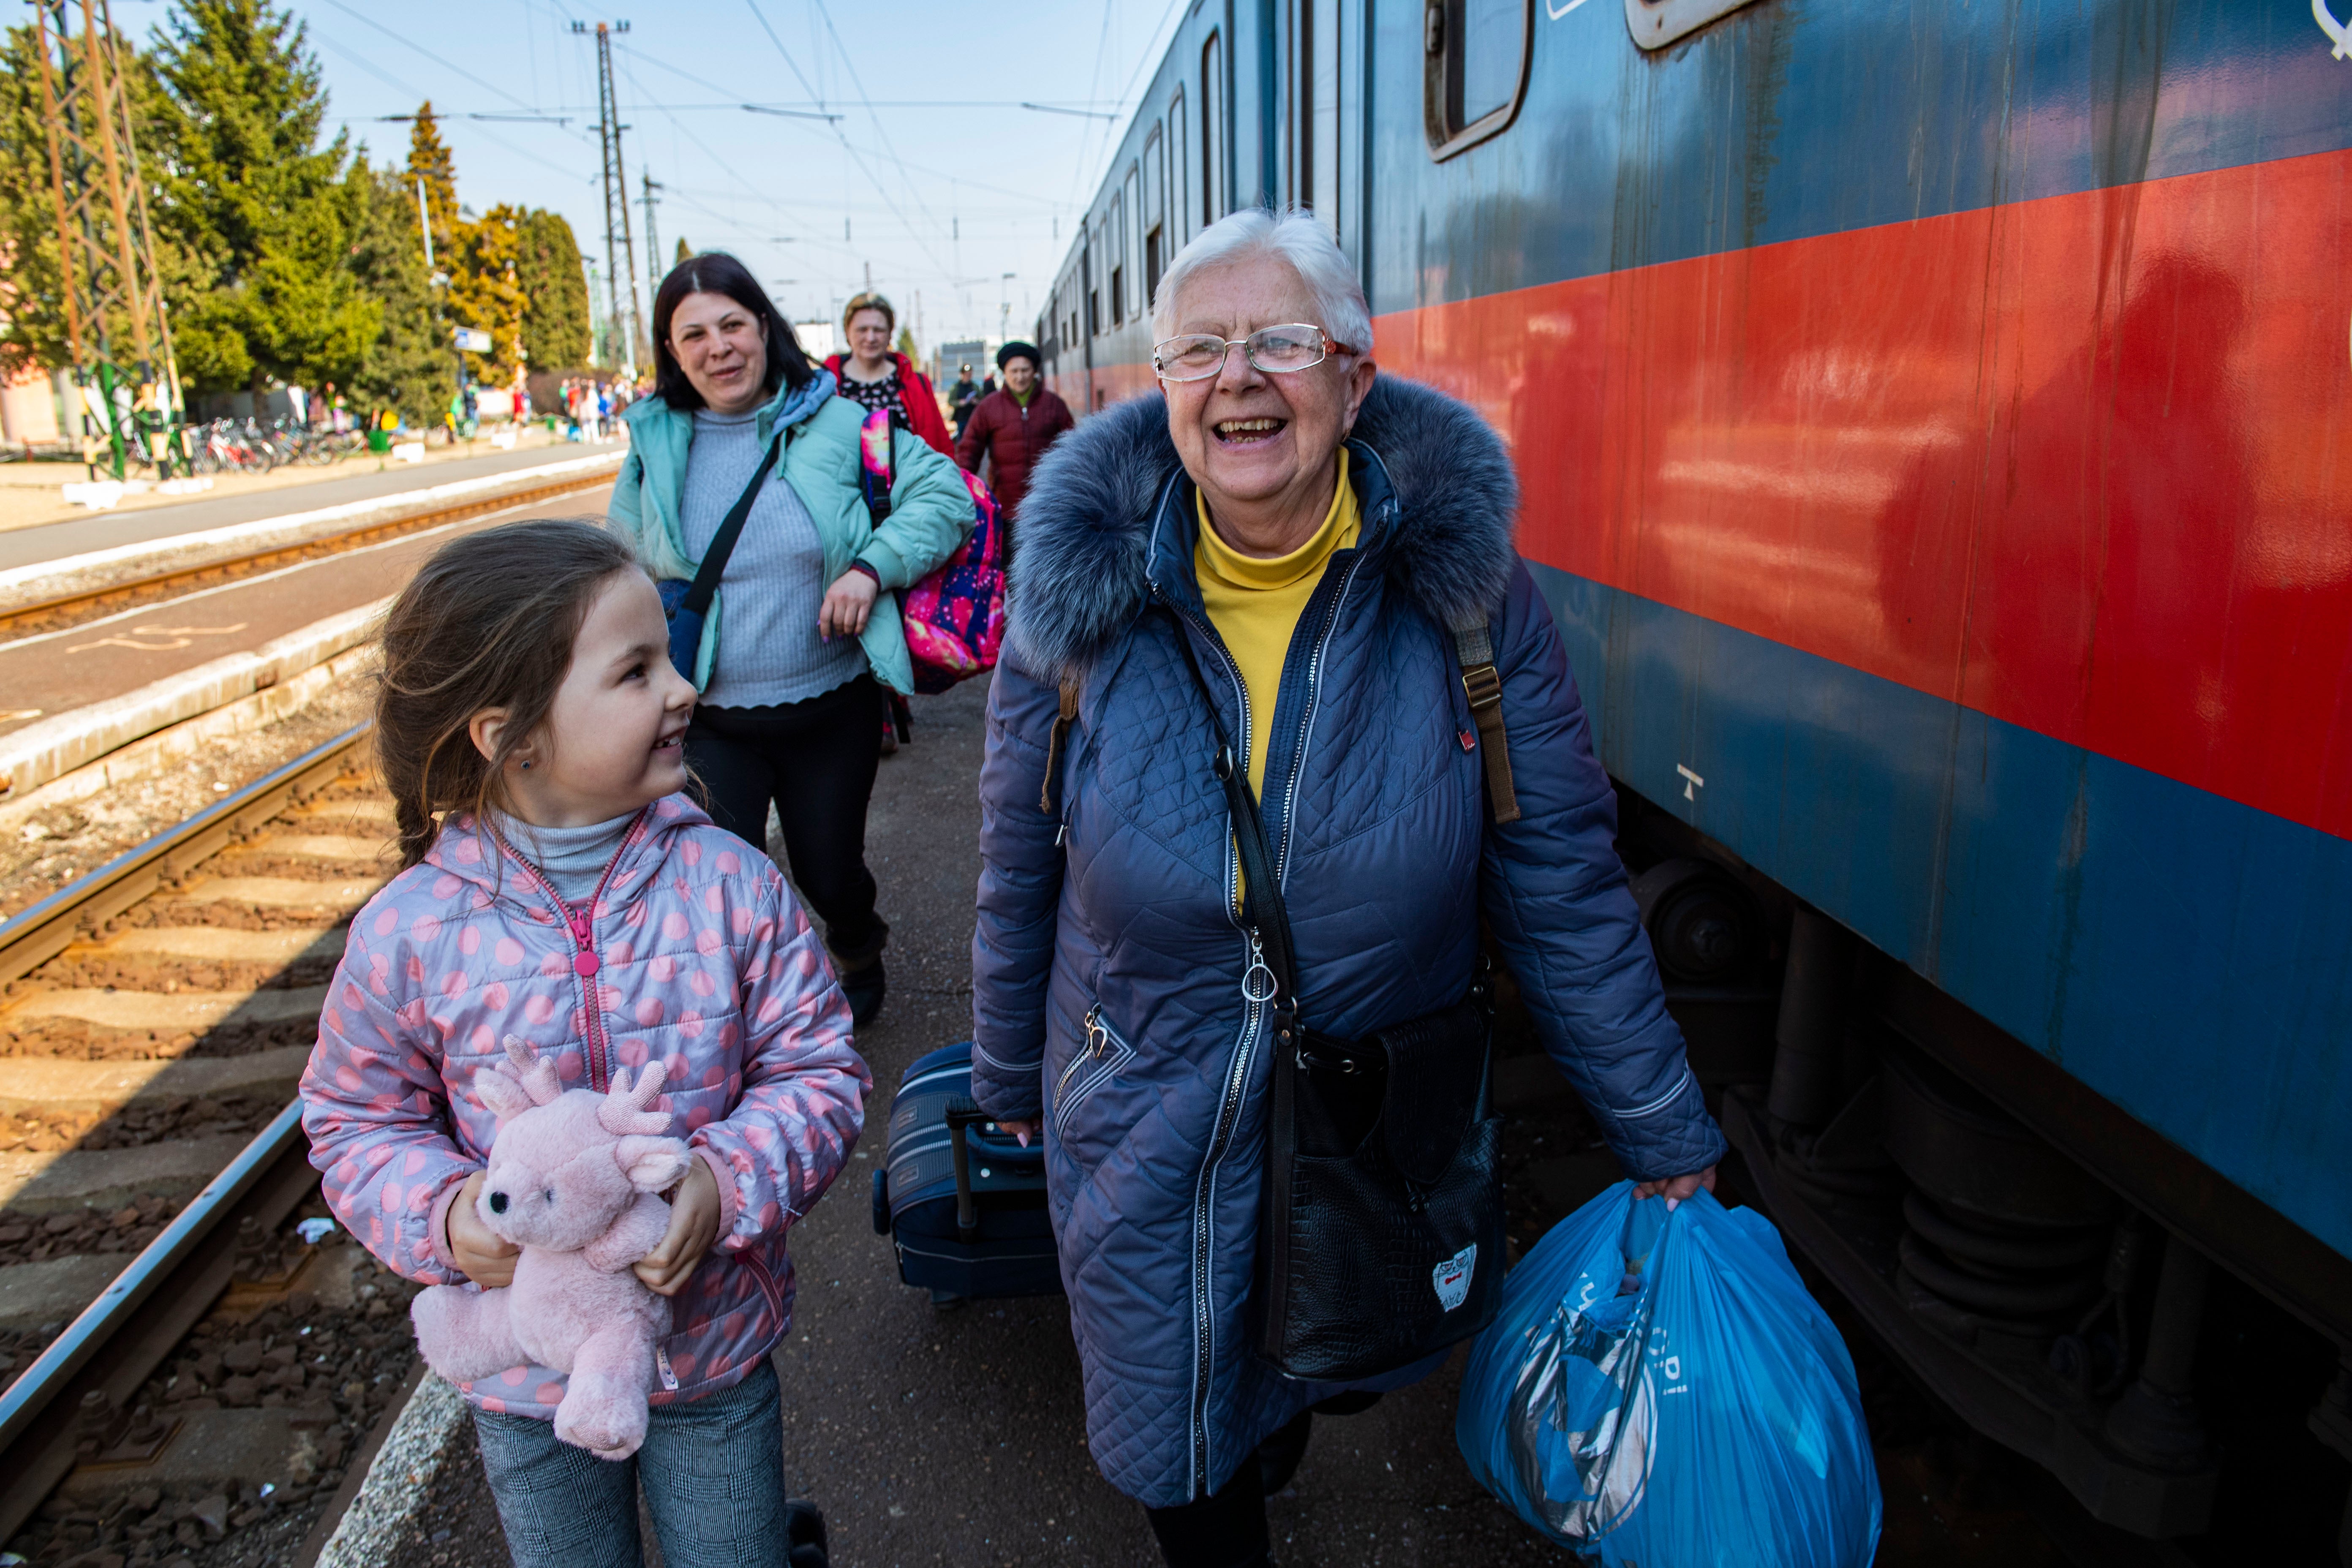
x: 359, y: 480
x: 959, y: 1438
x: 57, y: 671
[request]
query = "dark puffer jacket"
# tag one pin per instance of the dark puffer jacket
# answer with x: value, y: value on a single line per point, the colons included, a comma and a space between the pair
x: 1013, y: 438
x: 1108, y: 967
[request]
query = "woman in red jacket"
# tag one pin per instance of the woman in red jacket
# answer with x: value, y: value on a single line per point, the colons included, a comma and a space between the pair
x: 873, y: 374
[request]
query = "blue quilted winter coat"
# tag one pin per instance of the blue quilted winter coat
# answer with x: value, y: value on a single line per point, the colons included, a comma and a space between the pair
x: 1107, y: 962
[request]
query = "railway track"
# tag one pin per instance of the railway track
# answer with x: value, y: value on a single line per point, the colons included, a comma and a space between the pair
x: 73, y: 609
x: 189, y: 1360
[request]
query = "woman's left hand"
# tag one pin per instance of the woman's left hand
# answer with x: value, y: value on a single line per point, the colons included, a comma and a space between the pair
x: 693, y: 1226
x: 848, y: 605
x: 1676, y: 1188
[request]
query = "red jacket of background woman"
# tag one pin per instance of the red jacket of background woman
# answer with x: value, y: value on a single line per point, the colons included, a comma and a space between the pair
x: 923, y: 416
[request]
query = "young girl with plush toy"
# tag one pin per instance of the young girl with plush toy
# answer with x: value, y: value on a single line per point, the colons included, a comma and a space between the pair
x: 581, y: 1065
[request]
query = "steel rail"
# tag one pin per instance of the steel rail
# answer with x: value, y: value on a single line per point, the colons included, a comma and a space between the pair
x: 37, y: 934
x: 120, y: 1338
x: 66, y: 609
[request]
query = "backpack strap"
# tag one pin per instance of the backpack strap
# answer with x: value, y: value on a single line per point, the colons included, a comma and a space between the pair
x: 874, y: 463
x: 1049, y: 796
x: 1476, y: 650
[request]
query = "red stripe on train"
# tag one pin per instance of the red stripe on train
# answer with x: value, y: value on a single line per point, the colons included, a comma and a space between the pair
x: 2084, y: 464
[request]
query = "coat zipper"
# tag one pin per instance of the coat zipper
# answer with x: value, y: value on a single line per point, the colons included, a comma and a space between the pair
x: 1101, y: 1043
x: 1238, y: 1079
x: 584, y: 962
x: 1228, y: 1110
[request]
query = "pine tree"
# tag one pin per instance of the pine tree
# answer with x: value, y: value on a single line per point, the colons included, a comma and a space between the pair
x: 555, y: 293
x: 257, y: 203
x: 428, y: 156
x: 683, y: 251
x: 408, y: 367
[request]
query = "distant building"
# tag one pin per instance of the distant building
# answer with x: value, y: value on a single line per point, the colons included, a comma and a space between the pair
x: 977, y: 353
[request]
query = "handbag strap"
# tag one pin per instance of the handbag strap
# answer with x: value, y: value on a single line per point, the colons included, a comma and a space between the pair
x: 1474, y: 649
x: 705, y: 587
x: 1263, y: 912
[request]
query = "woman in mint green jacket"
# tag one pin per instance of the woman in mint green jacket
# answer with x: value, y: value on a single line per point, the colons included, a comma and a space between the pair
x: 804, y: 632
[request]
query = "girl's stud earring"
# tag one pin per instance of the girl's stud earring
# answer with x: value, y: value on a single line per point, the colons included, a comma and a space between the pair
x: 526, y: 767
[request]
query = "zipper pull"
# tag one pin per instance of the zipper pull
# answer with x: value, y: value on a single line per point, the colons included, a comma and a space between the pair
x: 1258, y: 984
x: 1097, y: 1038
x: 583, y: 963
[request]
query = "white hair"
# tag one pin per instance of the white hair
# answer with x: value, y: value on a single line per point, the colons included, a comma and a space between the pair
x: 1291, y: 236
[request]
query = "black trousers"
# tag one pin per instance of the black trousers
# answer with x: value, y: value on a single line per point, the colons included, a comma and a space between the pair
x: 1224, y: 1530
x: 815, y: 760
x: 1228, y: 1530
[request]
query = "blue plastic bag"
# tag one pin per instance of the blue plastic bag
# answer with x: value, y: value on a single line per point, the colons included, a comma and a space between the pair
x: 1659, y: 1391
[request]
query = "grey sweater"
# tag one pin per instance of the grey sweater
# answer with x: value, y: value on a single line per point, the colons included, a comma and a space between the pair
x: 776, y: 579
x: 572, y: 858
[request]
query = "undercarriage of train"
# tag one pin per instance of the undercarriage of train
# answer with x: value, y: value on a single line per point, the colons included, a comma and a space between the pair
x: 2056, y: 1278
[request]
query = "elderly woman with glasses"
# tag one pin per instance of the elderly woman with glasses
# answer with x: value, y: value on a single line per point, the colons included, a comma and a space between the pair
x: 1280, y: 563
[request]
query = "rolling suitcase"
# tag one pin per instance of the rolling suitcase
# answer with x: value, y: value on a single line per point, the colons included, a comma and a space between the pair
x: 962, y: 1203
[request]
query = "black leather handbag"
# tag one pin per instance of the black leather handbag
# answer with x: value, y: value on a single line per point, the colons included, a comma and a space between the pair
x: 1380, y: 1234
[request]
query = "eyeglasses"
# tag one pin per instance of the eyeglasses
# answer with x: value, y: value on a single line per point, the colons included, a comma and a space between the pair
x: 1277, y: 350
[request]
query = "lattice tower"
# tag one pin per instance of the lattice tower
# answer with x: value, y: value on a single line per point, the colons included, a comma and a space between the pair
x: 105, y: 247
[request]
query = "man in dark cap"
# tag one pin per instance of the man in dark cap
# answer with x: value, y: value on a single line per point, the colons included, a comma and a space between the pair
x: 1011, y: 427
x: 962, y: 398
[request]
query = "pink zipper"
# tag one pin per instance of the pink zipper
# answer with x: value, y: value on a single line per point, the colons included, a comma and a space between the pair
x: 584, y: 962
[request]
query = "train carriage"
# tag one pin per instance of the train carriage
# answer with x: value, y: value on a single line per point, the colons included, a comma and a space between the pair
x: 1934, y: 427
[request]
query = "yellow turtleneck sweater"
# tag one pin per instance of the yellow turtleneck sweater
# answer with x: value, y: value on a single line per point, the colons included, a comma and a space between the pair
x: 1255, y: 603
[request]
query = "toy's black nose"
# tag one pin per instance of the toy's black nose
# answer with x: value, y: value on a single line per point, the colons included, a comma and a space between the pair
x: 498, y: 1203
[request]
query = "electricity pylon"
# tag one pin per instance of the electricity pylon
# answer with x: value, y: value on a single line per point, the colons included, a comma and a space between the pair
x: 106, y: 249
x: 652, y: 236
x: 620, y: 245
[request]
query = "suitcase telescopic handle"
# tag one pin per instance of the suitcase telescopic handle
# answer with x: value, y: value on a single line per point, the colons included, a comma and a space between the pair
x: 962, y: 1114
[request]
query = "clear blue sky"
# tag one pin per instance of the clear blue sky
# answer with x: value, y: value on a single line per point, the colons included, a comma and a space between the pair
x: 939, y: 201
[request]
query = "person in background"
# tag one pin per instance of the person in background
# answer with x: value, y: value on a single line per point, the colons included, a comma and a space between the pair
x: 804, y: 636
x: 874, y: 375
x: 962, y: 398
x: 1010, y: 428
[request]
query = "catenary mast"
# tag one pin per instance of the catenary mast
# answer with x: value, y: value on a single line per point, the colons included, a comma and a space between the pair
x: 106, y: 249
x: 620, y: 244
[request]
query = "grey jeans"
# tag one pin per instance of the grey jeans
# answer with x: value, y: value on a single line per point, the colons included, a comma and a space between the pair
x: 713, y: 1472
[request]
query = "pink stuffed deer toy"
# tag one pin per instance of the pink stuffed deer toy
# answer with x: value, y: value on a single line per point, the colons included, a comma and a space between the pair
x: 571, y: 1182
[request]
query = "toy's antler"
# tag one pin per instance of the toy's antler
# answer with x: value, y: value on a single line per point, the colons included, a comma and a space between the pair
x: 534, y: 1072
x: 624, y: 1110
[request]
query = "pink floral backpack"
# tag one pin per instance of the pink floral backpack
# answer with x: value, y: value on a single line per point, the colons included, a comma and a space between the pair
x: 954, y: 618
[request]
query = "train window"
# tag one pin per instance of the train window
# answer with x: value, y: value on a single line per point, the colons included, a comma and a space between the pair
x: 1318, y: 109
x: 1153, y: 220
x: 1116, y: 257
x: 1655, y: 24
x: 1132, y: 223
x: 1179, y: 173
x: 1213, y: 131
x: 1474, y: 69
x: 1155, y: 190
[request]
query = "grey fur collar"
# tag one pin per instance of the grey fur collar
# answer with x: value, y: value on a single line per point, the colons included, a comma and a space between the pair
x: 1085, y: 524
